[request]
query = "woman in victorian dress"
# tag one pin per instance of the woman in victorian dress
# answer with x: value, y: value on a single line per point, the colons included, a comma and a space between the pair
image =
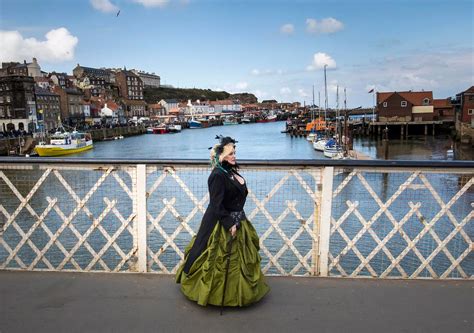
x: 222, y: 261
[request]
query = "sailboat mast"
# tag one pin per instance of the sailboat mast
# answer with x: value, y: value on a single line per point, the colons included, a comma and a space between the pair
x: 312, y: 107
x: 325, y: 98
x: 319, y: 105
x: 337, y: 114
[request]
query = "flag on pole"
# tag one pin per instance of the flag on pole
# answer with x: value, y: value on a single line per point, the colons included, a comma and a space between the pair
x: 371, y: 90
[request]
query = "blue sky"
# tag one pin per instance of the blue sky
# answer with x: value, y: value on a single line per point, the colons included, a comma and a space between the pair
x: 274, y: 49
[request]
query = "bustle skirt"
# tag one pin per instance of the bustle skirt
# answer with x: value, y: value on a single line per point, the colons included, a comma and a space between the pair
x: 204, y: 283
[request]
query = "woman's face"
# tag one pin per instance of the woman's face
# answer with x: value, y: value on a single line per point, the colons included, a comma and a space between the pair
x: 230, y: 158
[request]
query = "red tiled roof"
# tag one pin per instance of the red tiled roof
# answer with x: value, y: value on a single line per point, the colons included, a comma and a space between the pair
x: 470, y: 90
x: 223, y: 102
x: 414, y: 97
x: 112, y: 105
x: 417, y: 97
x: 155, y: 106
x: 441, y: 103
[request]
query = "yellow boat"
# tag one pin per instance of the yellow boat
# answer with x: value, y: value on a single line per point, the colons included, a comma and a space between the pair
x: 65, y: 143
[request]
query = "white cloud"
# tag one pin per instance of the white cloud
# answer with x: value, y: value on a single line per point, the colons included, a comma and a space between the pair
x: 285, y: 91
x: 302, y: 93
x: 319, y: 60
x: 104, y: 6
x: 241, y: 85
x: 287, y: 29
x: 152, y: 3
x: 260, y: 94
x: 325, y: 26
x: 58, y: 46
x: 266, y: 72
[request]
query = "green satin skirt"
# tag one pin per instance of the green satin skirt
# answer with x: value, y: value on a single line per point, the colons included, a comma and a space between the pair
x: 204, y: 283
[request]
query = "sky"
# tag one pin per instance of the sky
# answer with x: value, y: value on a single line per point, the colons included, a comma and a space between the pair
x: 273, y: 49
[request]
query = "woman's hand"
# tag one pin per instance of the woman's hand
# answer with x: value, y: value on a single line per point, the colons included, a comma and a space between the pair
x: 233, y: 231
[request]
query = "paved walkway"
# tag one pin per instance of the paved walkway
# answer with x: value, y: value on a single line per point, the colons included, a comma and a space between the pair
x: 71, y: 302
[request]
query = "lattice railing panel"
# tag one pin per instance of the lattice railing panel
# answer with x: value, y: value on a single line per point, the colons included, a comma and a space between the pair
x: 402, y: 224
x: 280, y: 205
x: 67, y: 218
x: 354, y: 222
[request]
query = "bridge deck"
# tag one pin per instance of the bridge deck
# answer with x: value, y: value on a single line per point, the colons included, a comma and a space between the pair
x: 84, y: 302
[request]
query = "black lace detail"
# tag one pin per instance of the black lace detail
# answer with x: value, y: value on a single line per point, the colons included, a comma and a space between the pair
x: 237, y: 217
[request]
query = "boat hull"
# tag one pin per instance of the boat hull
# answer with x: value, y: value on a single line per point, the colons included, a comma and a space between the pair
x: 48, y: 151
x: 193, y: 125
x: 319, y: 145
x: 334, y: 152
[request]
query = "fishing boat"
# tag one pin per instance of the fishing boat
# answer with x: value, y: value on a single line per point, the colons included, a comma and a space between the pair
x: 271, y: 118
x: 65, y: 143
x: 194, y: 123
x: 160, y: 129
x: 174, y: 128
x: 230, y: 121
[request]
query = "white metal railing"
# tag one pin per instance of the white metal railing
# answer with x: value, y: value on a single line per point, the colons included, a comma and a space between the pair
x: 316, y: 219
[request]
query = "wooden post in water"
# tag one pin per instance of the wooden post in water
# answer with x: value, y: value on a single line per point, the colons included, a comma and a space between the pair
x: 385, y: 142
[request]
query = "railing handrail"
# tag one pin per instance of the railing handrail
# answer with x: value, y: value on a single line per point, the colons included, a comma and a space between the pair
x: 250, y: 163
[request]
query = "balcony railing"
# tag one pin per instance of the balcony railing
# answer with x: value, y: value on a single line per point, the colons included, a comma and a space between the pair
x: 385, y: 219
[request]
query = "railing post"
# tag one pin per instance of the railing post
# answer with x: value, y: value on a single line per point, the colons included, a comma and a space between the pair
x: 141, y: 217
x: 325, y: 219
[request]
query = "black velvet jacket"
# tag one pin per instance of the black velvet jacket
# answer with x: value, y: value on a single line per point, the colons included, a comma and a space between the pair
x: 226, y: 195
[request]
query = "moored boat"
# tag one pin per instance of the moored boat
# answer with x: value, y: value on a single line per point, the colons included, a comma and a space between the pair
x: 65, y: 143
x: 194, y: 124
x: 174, y: 128
x: 334, y: 152
x: 230, y: 121
x: 319, y: 144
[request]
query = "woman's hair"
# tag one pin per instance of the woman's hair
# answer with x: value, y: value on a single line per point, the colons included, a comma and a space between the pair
x: 222, y: 149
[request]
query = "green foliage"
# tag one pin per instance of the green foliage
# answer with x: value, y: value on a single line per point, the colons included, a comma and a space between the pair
x: 154, y: 95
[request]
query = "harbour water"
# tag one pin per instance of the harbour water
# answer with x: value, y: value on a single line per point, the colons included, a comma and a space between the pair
x: 260, y: 141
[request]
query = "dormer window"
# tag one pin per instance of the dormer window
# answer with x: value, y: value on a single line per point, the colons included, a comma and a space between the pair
x: 384, y: 104
x: 403, y: 104
x: 426, y: 101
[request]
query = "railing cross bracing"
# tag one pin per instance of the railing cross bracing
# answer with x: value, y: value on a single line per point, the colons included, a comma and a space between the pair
x: 384, y: 219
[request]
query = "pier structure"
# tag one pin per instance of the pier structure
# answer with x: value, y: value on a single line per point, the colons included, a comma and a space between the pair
x: 403, y: 127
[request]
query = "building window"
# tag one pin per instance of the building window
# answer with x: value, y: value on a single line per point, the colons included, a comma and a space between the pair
x: 384, y: 104
x: 426, y: 101
x: 403, y: 104
x: 470, y: 112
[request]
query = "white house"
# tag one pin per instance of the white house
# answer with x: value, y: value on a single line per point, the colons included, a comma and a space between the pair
x: 169, y: 104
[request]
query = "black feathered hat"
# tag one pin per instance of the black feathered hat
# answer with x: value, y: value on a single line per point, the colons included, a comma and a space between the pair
x: 223, y: 141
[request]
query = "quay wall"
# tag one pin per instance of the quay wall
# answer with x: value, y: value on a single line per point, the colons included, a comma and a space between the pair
x: 11, y: 146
